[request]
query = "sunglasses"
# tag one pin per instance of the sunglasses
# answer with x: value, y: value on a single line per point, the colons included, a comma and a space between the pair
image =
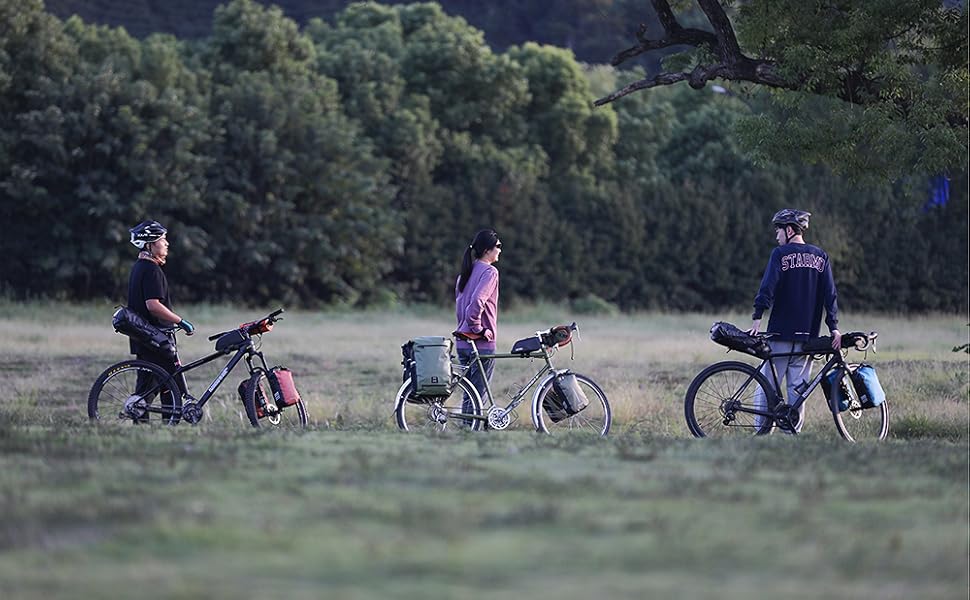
x: 498, y: 245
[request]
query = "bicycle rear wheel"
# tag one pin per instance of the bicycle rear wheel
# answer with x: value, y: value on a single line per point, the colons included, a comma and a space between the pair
x: 438, y: 413
x: 135, y: 391
x: 597, y: 417
x: 262, y: 411
x: 858, y: 424
x: 719, y: 399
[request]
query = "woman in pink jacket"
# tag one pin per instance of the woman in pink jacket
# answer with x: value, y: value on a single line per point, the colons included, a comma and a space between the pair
x: 476, y: 305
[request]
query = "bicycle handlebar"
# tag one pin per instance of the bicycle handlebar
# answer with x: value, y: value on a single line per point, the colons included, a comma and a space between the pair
x: 256, y: 327
x: 861, y: 341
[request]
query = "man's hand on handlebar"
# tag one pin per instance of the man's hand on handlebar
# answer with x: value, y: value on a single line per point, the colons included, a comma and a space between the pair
x: 186, y: 326
x: 836, y: 339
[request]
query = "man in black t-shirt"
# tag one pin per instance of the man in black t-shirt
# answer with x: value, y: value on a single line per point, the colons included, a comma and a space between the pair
x: 148, y: 296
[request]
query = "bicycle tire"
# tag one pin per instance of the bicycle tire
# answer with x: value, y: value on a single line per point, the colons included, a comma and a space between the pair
x: 713, y: 398
x: 857, y: 424
x: 114, y: 393
x: 436, y: 414
x: 288, y: 417
x: 596, y: 417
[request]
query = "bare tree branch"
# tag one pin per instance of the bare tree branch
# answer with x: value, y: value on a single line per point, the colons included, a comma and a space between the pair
x: 854, y: 86
x: 730, y: 50
x: 662, y: 79
x: 733, y: 65
x: 674, y: 35
x: 666, y: 16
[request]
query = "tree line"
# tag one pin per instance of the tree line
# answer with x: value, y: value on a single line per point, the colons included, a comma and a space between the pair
x: 352, y: 161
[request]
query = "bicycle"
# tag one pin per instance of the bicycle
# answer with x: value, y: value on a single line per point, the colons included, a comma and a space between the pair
x: 126, y: 391
x: 464, y: 406
x: 720, y: 400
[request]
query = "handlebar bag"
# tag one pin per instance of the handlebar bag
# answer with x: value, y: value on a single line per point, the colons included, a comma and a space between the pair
x: 283, y: 387
x: 565, y: 398
x: 432, y: 375
x: 867, y: 385
x: 730, y: 336
x: 127, y: 322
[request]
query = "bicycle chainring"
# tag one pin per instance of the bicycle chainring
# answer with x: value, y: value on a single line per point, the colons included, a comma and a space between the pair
x: 498, y: 418
x: 192, y: 412
x: 786, y: 417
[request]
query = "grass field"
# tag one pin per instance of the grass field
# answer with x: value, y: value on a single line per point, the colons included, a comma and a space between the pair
x: 352, y: 508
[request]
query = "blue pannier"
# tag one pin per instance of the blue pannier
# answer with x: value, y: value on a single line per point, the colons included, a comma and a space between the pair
x: 867, y: 385
x: 833, y: 386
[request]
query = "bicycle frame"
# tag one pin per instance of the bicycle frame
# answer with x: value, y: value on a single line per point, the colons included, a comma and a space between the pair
x: 245, y: 352
x: 837, y: 360
x: 519, y: 397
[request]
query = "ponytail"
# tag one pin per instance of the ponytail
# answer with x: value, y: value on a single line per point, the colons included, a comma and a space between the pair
x: 485, y: 240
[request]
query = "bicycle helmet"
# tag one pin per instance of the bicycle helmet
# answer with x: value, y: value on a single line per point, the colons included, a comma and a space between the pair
x: 791, y: 216
x: 146, y: 232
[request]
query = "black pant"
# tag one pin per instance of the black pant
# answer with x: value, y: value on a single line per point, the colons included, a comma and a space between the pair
x: 166, y: 360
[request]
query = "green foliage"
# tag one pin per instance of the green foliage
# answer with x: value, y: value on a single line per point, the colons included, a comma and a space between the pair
x: 885, y: 84
x: 350, y: 163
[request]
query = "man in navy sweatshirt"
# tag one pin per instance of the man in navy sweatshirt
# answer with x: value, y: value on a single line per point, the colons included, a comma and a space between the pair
x: 796, y: 286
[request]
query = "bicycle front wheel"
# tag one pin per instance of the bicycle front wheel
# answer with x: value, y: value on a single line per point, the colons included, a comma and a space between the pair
x: 135, y: 391
x: 720, y: 399
x: 597, y: 417
x: 856, y: 423
x: 262, y: 411
x: 461, y: 410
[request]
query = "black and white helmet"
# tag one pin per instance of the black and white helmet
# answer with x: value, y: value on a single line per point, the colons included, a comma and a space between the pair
x: 146, y: 232
x: 791, y: 216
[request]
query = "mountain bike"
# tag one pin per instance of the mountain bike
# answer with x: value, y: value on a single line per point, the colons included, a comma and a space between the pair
x: 127, y: 391
x: 466, y: 408
x: 721, y: 399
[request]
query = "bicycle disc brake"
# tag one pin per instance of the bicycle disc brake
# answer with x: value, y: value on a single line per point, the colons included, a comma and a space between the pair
x: 498, y: 418
x: 437, y: 413
x: 192, y: 412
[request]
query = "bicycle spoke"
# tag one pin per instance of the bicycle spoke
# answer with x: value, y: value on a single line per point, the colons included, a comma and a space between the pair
x: 721, y: 399
x: 596, y: 417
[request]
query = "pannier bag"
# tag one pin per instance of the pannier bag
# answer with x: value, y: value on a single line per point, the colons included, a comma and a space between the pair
x: 127, y: 322
x: 260, y: 397
x: 432, y: 366
x: 282, y: 385
x: 565, y: 398
x: 867, y: 386
x: 730, y: 336
x: 407, y: 361
x: 527, y: 345
x: 834, y: 388
x: 231, y: 341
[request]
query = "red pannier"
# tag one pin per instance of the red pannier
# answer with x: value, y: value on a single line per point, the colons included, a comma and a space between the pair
x: 284, y: 389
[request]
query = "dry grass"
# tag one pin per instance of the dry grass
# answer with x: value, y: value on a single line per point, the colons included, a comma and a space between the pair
x: 348, y: 363
x: 354, y: 509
